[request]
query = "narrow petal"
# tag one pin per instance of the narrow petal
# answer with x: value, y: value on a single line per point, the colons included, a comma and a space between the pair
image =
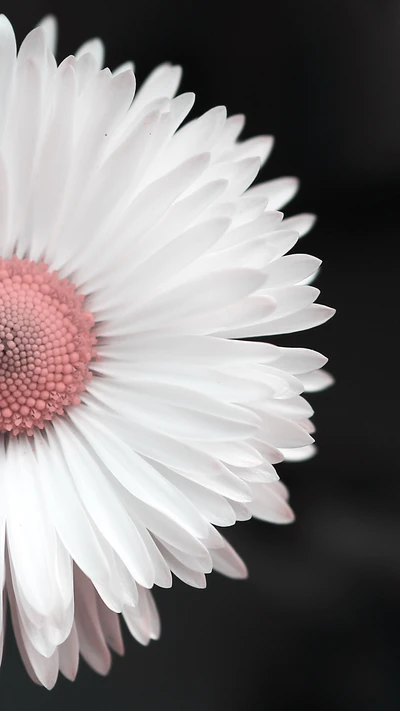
x: 69, y: 655
x: 95, y: 47
x: 111, y: 627
x: 269, y: 504
x: 49, y: 24
x: 92, y: 644
x: 228, y: 562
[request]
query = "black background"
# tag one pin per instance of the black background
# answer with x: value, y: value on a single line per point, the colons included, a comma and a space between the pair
x: 316, y: 626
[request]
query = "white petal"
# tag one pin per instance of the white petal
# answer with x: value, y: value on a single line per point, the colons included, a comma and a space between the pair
x: 103, y: 506
x: 49, y: 24
x: 92, y: 644
x: 33, y: 47
x: 54, y: 165
x: 42, y: 670
x: 291, y: 299
x: 249, y: 314
x: 183, y: 303
x: 180, y: 419
x: 30, y: 534
x: 148, y: 207
x: 143, y: 620
x: 294, y: 408
x: 95, y: 47
x: 270, y: 453
x: 299, y: 360
x: 311, y: 316
x: 262, y: 474
x: 191, y: 577
x: 64, y: 506
x: 4, y: 206
x: 259, y: 146
x: 110, y: 625
x: 154, y: 275
x: 281, y: 432
x: 291, y: 269
x: 242, y: 512
x: 243, y: 232
x: 239, y: 453
x: 301, y: 223
x: 69, y: 655
x: 179, y: 216
x: 230, y: 132
x: 282, y: 385
x: 21, y: 140
x: 278, y: 191
x: 201, y: 562
x: 124, y: 67
x: 110, y: 101
x: 224, y: 386
x: 163, y: 527
x: 300, y: 454
x: 228, y: 562
x: 8, y: 49
x: 111, y: 192
x: 180, y: 456
x: 247, y: 171
x: 318, y: 380
x: 18, y: 635
x: 191, y: 350
x: 197, y: 136
x: 163, y: 81
x: 213, y: 507
x: 146, y: 484
x: 85, y: 68
x: 269, y: 504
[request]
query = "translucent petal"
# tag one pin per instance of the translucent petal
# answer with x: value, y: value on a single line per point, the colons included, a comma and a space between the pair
x: 269, y: 504
x: 96, y: 48
x: 111, y: 628
x: 228, y: 562
x: 69, y: 655
x: 49, y: 24
x: 278, y: 191
x: 92, y: 644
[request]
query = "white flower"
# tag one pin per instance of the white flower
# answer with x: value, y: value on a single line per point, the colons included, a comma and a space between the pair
x: 131, y: 254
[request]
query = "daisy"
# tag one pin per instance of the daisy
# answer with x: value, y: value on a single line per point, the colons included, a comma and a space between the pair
x: 133, y: 257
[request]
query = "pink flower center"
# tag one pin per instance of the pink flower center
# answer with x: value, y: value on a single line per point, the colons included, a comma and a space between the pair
x: 46, y: 345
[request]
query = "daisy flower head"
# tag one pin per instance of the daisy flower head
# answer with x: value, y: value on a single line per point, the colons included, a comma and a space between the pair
x: 134, y: 259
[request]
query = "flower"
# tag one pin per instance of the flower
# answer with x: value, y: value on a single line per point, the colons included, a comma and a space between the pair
x: 133, y: 421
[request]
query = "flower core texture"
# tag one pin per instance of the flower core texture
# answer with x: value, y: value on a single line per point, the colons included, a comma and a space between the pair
x: 46, y: 345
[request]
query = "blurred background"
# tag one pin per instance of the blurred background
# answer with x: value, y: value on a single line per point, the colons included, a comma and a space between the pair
x: 316, y: 625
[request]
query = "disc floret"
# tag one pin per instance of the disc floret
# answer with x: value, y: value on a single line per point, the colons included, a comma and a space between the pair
x: 46, y: 345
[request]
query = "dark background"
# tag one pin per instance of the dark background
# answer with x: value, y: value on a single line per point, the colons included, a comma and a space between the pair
x: 316, y: 626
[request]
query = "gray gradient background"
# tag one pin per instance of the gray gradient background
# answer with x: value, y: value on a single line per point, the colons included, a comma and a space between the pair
x: 316, y: 626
